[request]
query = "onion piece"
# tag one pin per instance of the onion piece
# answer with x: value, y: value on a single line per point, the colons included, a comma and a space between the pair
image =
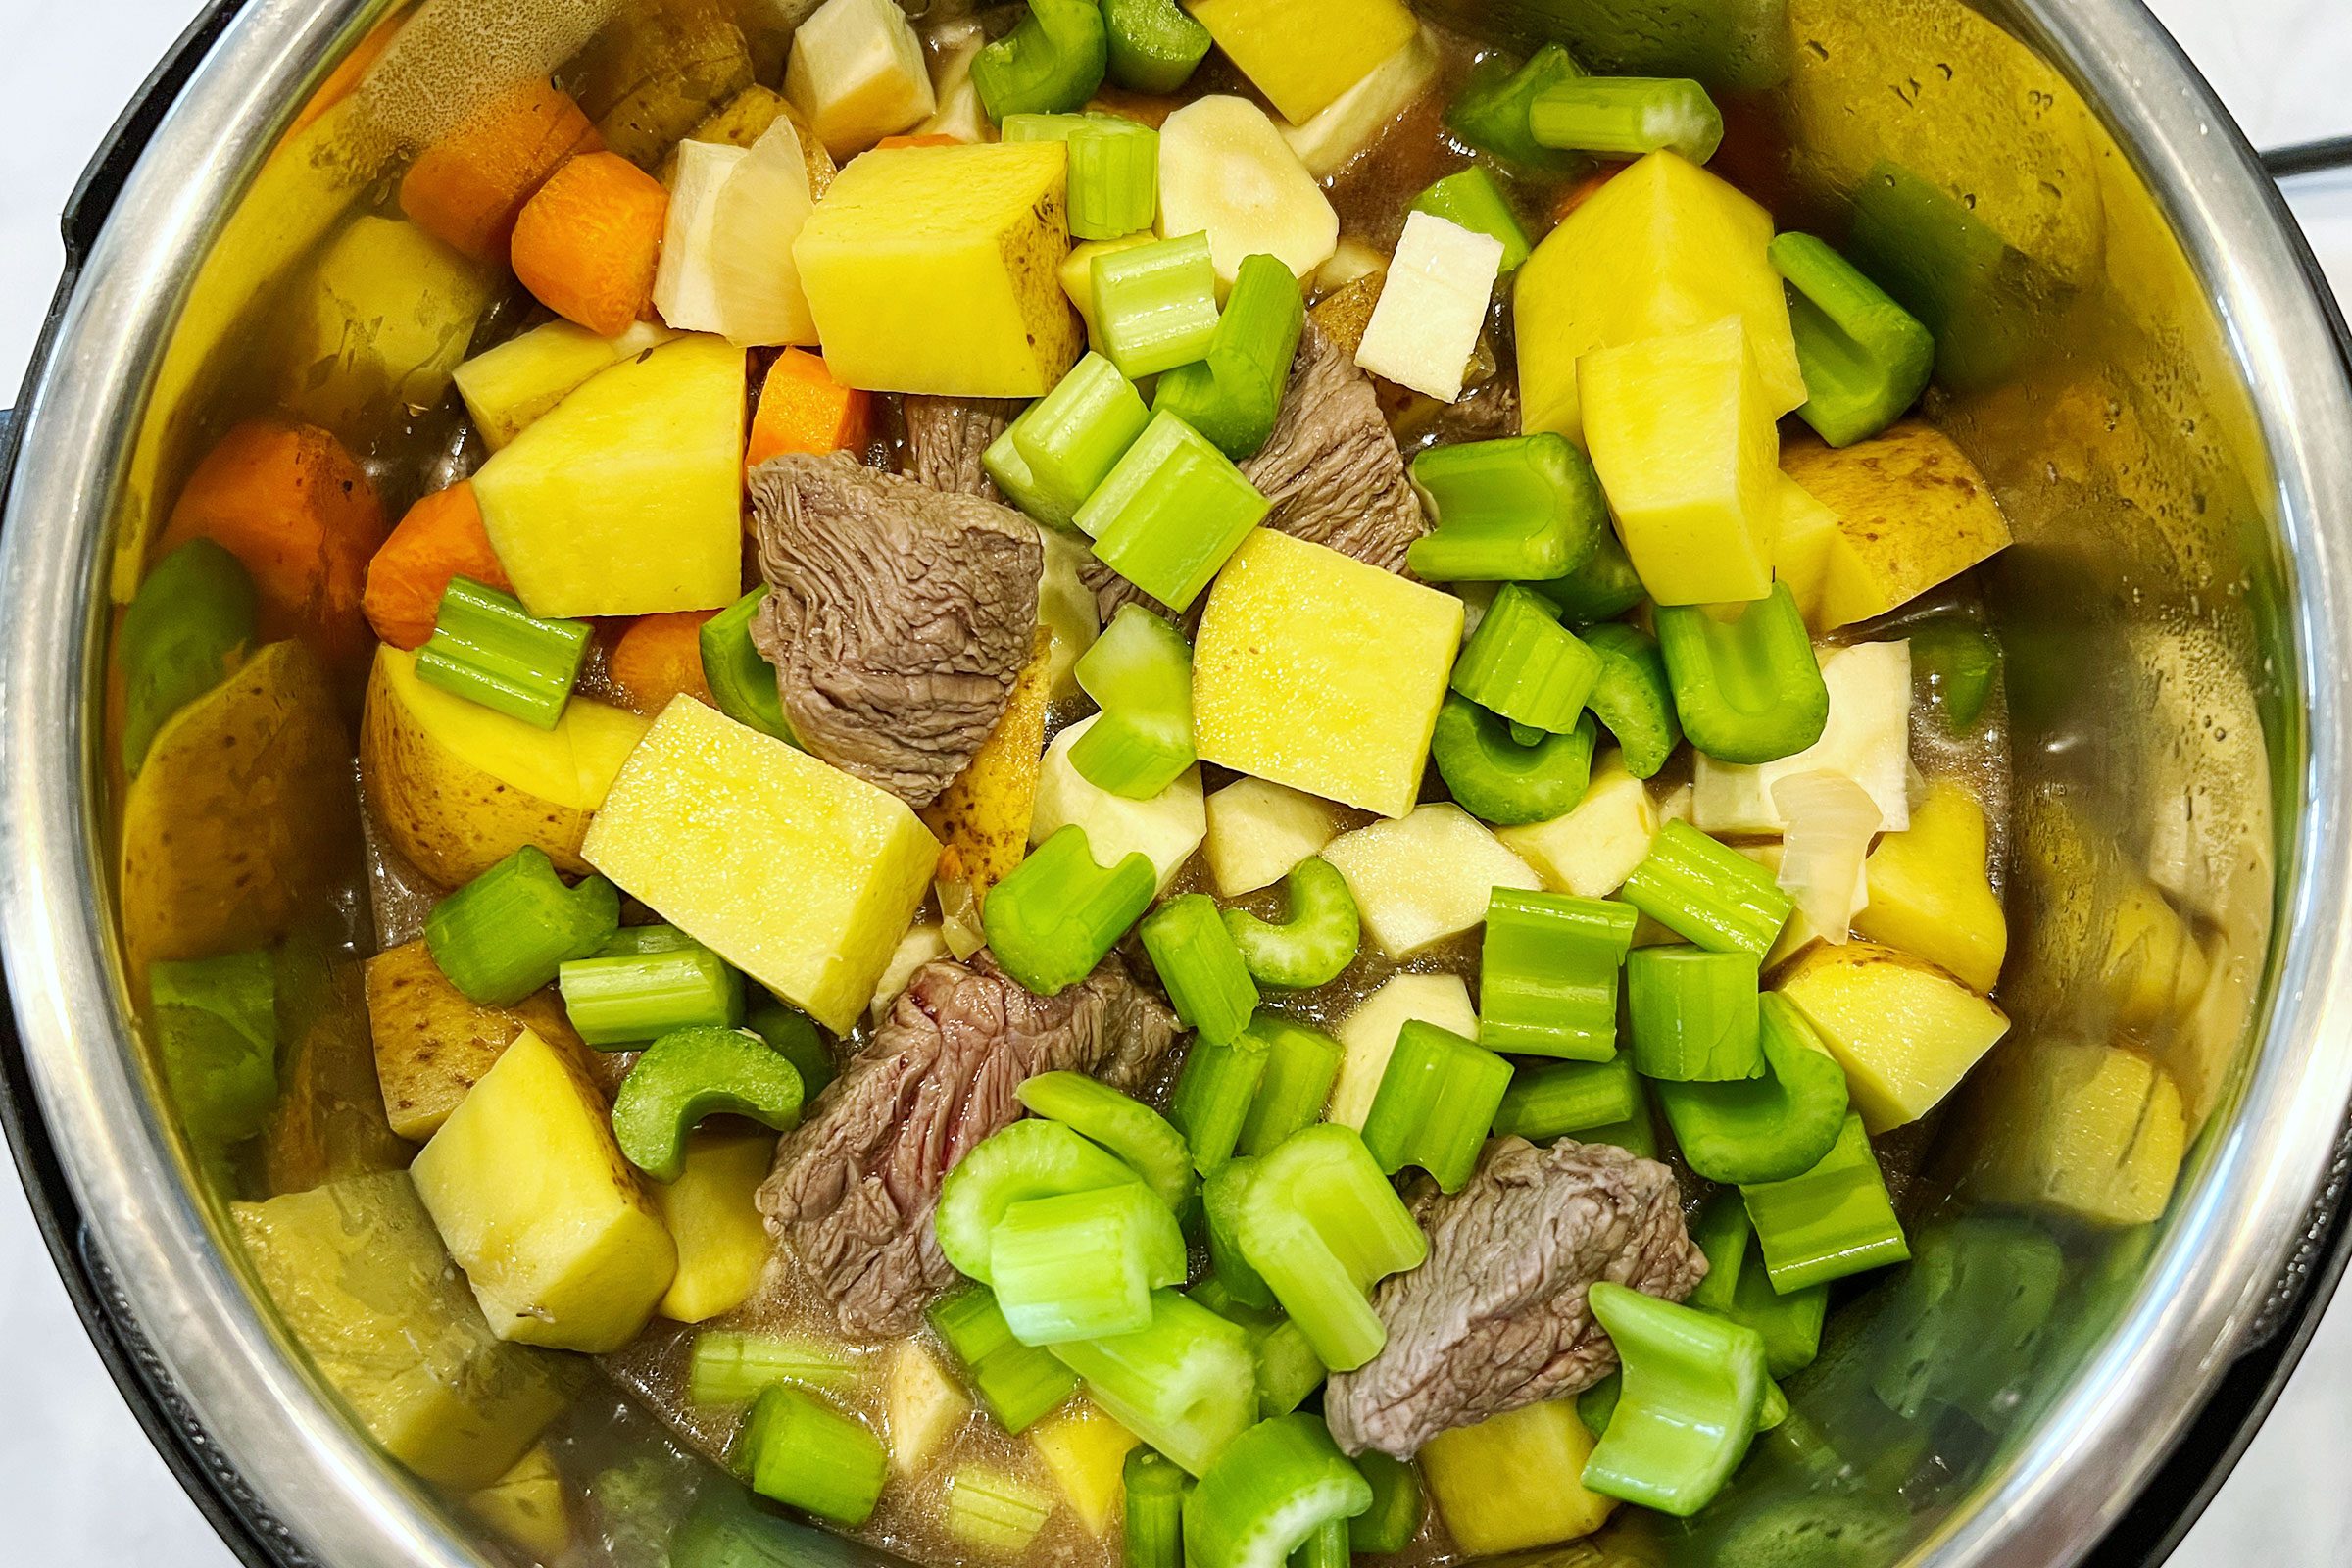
x: 1831, y: 820
x: 757, y: 216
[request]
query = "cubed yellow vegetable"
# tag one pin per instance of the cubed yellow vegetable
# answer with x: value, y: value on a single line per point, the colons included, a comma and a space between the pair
x: 1425, y: 877
x: 2087, y: 1130
x: 798, y: 874
x: 1077, y: 274
x: 1165, y: 829
x: 922, y: 1406
x: 626, y: 498
x: 936, y: 269
x: 1259, y: 831
x: 508, y: 387
x: 1796, y: 934
x: 983, y: 815
x: 1685, y: 444
x: 361, y: 1279
x: 562, y: 1247
x: 1904, y: 1031
x: 1912, y: 512
x: 1315, y: 670
x: 2155, y: 968
x: 1515, y: 1479
x: 1368, y: 1035
x: 1086, y: 1451
x: 1801, y: 554
x: 856, y: 71
x: 1350, y: 122
x: 960, y: 113
x: 1867, y: 739
x: 387, y: 315
x: 1595, y: 848
x: 433, y: 1043
x: 1928, y: 896
x: 722, y: 1239
x: 1304, y: 54
x: 1225, y: 171
x: 528, y: 1506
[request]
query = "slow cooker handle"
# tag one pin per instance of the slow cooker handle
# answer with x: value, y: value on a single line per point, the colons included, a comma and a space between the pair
x: 93, y: 198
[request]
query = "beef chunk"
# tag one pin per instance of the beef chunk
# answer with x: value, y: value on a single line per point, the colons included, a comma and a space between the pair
x: 855, y: 1184
x: 946, y: 436
x: 897, y: 619
x: 1331, y: 468
x: 1496, y: 1317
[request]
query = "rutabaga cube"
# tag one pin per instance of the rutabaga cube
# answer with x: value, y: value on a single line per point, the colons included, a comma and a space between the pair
x: 858, y: 74
x: 1257, y: 831
x: 1595, y: 848
x: 1166, y: 829
x: 1351, y: 122
x: 685, y: 288
x: 1225, y: 171
x: 1426, y: 325
x: 1867, y: 739
x: 1368, y: 1035
x: 1426, y: 877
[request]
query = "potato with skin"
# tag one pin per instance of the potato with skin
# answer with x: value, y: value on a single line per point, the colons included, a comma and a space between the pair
x: 1905, y: 1032
x: 982, y: 818
x: 1912, y: 512
x: 432, y: 1045
x: 329, y: 1122
x: 2078, y: 1127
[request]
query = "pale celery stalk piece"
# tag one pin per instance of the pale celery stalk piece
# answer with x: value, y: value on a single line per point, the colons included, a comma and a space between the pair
x: 1433, y: 307
x: 856, y: 71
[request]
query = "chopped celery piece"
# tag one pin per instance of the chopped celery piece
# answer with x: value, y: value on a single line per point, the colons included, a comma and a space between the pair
x: 1865, y: 359
x: 1693, y: 1015
x: 1200, y: 966
x: 1060, y: 913
x: 1548, y: 975
x: 1524, y: 665
x: 994, y: 1510
x: 1492, y: 112
x: 794, y: 1037
x: 1790, y: 1324
x: 1155, y: 44
x: 1140, y: 671
x: 506, y: 933
x: 1053, y: 62
x: 1965, y: 1322
x: 1130, y: 1129
x: 1223, y: 1203
x: 1833, y: 1221
x: 1317, y: 940
x: 1515, y: 509
x: 1397, y: 1505
x: 724, y: 1528
x: 1502, y: 779
x: 1638, y: 1134
x: 1708, y: 893
x: 1067, y: 441
x: 1765, y: 1129
x: 1114, y: 170
x: 1325, y: 1547
x: 1187, y: 1385
x: 1029, y: 1160
x: 1693, y: 1387
x: 1321, y: 1225
x: 194, y: 612
x: 1560, y: 1098
x: 1474, y: 198
x: 969, y: 1322
x: 1081, y: 1266
x: 216, y: 1028
x: 803, y: 1453
x: 1213, y: 1096
x: 1152, y: 1530
x: 1960, y: 665
x: 1628, y: 116
x: 1435, y: 1104
x: 487, y: 649
x: 1232, y: 394
x: 1601, y: 589
x: 730, y: 1368
x: 1721, y: 1232
x: 621, y: 999
x: 1267, y: 1492
x: 637, y: 940
x: 1171, y: 513
x: 741, y: 682
x: 1746, y: 690
x: 1302, y: 1065
x: 1018, y: 1383
x: 1288, y: 1368
x: 1633, y: 699
x: 692, y: 1073
x: 1155, y: 305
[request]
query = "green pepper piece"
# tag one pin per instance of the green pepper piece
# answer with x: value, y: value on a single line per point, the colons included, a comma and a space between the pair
x: 1154, y: 45
x: 1632, y: 699
x: 1747, y: 690
x: 1398, y: 1504
x: 692, y: 1073
x: 1968, y: 1318
x: 1833, y: 1221
x: 1048, y: 65
x: 1597, y: 1403
x: 1601, y: 589
x: 1960, y: 664
x: 1865, y: 359
x: 1058, y: 914
x: 193, y: 613
x: 1790, y: 1324
x: 1314, y: 942
x: 1492, y: 110
x: 1694, y: 1387
x: 1765, y: 1129
x: 1501, y: 780
x: 1474, y: 198
x: 741, y: 682
x: 1515, y: 509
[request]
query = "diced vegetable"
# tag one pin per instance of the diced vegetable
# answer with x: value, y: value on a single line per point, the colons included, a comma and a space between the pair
x: 1019, y: 1384
x: 508, y: 387
x: 506, y: 933
x: 1141, y: 672
x: 1029, y: 1160
x: 1525, y: 665
x: 712, y: 1216
x: 1515, y: 509
x: 1912, y: 512
x: 798, y: 874
x: 1061, y: 912
x: 1832, y: 820
x: 487, y: 650
x: 803, y: 409
x: 1153, y: 1528
x: 1928, y: 894
x: 1765, y: 1129
x: 1747, y: 690
x: 1602, y: 589
x: 1866, y: 737
x: 1172, y: 513
x: 1436, y: 1101
x: 1569, y: 1097
x: 1315, y: 670
x: 193, y: 617
x: 587, y: 243
x: 1302, y: 1064
x: 1052, y: 61
x: 214, y: 1023
x: 1694, y: 1385
x: 1257, y: 832
x: 1800, y: 556
x: 432, y: 1044
x: 2091, y: 1131
x: 616, y: 998
x: 1315, y: 941
x: 374, y: 331
x: 1960, y: 665
x: 803, y: 1453
x: 1114, y: 168
x: 1051, y: 457
x: 1905, y: 1031
x: 793, y: 1036
x: 1155, y: 305
x: 1202, y: 967
x: 468, y: 188
x: 1130, y: 1129
x: 1865, y: 359
x: 1154, y: 45
x: 1547, y: 975
x: 1330, y: 139
x: 1187, y: 1385
x: 1708, y: 893
x: 1077, y: 275
x: 984, y: 815
x: 1368, y: 1034
x: 1214, y: 1094
x: 1067, y: 615
x: 856, y: 73
x: 1693, y: 1015
x: 1086, y: 1451
x: 1494, y: 106
x: 1632, y: 699
x: 1967, y: 1319
x: 1225, y: 171
x: 1515, y: 1479
x: 1321, y: 1225
x: 1833, y: 1221
x: 1398, y: 1507
x: 1473, y: 199
x: 726, y: 258
x: 527, y: 1505
x: 1165, y: 829
x: 741, y: 682
x: 994, y: 1510
x: 1303, y: 56
x: 1268, y: 1494
x: 1627, y: 117
x: 732, y: 1368
x: 960, y: 116
x: 1223, y: 1198
x: 1433, y: 306
x: 692, y: 1073
x: 1500, y: 781
x: 1083, y: 1265
x: 1592, y: 850
x: 658, y: 659
x: 1232, y: 394
x: 1426, y: 877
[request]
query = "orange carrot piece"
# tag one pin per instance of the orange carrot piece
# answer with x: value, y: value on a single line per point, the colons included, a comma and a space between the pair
x: 587, y: 244
x: 659, y: 657
x: 802, y: 409
x: 1582, y: 190
x: 442, y: 537
x: 934, y: 138
x: 290, y: 502
x: 468, y: 188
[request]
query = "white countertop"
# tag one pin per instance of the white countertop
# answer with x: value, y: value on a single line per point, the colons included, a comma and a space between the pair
x: 78, y: 1485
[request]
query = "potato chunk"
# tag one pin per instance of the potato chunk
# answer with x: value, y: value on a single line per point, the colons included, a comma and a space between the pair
x: 528, y: 1506
x: 1085, y: 1450
x: 432, y: 1045
x: 1912, y: 512
x: 722, y: 1242
x: 856, y: 71
x: 1595, y: 848
x: 1928, y: 894
x: 2087, y: 1130
x: 1304, y: 54
x: 387, y: 315
x: 1515, y: 1479
x: 1368, y: 1035
x: 1904, y: 1031
x: 798, y: 874
x: 1166, y: 829
x: 1259, y: 831
x: 508, y: 387
x: 1426, y: 877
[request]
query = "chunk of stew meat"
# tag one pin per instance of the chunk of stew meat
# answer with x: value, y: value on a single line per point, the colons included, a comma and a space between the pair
x: 1331, y: 468
x: 946, y: 436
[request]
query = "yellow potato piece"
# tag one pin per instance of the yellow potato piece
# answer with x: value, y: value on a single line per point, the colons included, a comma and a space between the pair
x: 1928, y: 894
x: 1801, y: 553
x: 528, y: 1506
x: 922, y: 1406
x: 1912, y: 512
x: 1595, y: 847
x: 508, y: 387
x: 1426, y: 877
x: 1905, y: 1032
x: 798, y: 874
x: 432, y: 1044
x: 722, y: 1239
x: 1086, y: 1452
x: 2155, y: 967
x: 1515, y: 1479
x: 329, y: 1122
x: 1368, y: 1035
x: 982, y: 818
x: 386, y: 317
x: 2091, y: 1131
x: 1304, y: 54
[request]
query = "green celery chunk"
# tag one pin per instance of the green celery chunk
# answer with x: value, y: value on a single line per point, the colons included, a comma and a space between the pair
x: 730, y: 1368
x: 1200, y: 966
x: 1049, y: 64
x: 1213, y: 1094
x: 1833, y: 1221
x: 792, y: 1035
x: 1693, y: 1015
x: 1865, y: 359
x: 994, y: 1510
x: 1288, y: 1368
x: 1060, y: 913
x: 1172, y: 511
x: 632, y: 941
x: 693, y: 1073
x: 1321, y: 1225
x: 1747, y: 690
x: 1233, y: 393
x: 1721, y: 1232
x: 1600, y: 590
x: 1268, y: 1492
x: 970, y: 1324
x: 1638, y: 1134
x: 1708, y: 893
x: 1548, y: 975
x: 487, y: 649
x: 1081, y: 1265
x: 1397, y: 1505
x: 1775, y: 1408
x: 1223, y: 1199
x: 1502, y: 779
x: 1692, y: 1388
x: 1187, y: 1385
x: 1628, y: 116
x: 616, y: 999
x: 1474, y: 198
x: 1121, y: 1123
x: 1969, y: 1317
x: 1790, y: 1324
x: 1152, y: 1529
x: 1524, y: 665
x: 1315, y: 943
x: 799, y: 1452
x: 1493, y: 111
x: 1029, y: 1160
x: 215, y: 1029
x: 1302, y: 1065
x: 508, y: 931
x: 1325, y: 1547
x: 1435, y: 1104
x: 1019, y: 1384
x: 1155, y: 305
x: 725, y: 1530
x: 1597, y: 1403
x: 741, y: 682
x: 1959, y: 664
x: 1633, y: 699
x: 1140, y: 671
x: 1765, y: 1129
x: 1559, y: 1098
x: 1114, y: 168
x: 194, y: 615
x: 1514, y: 509
x: 1154, y: 45
x: 1051, y: 458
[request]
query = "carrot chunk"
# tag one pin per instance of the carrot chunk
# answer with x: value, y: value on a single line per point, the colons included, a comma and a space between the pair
x: 468, y: 188
x: 659, y: 657
x: 587, y: 244
x: 442, y: 537
x: 802, y: 409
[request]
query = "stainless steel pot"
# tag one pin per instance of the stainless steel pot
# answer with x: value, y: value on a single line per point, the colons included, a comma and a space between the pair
x: 2134, y: 348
